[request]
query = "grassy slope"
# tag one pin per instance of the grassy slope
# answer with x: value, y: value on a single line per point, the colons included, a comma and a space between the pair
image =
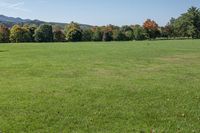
x: 100, y: 87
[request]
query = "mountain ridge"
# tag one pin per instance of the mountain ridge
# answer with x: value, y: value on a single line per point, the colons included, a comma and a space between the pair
x: 10, y: 21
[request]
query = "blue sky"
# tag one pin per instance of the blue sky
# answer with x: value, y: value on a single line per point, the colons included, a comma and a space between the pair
x: 97, y: 12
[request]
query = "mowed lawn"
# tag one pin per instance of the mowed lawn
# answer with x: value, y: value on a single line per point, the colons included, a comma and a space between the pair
x: 114, y: 87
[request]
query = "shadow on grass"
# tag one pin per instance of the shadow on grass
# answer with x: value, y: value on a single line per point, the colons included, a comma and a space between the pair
x: 1, y: 51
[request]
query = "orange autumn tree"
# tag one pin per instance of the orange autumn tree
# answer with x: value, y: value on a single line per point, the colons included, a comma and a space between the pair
x: 151, y: 28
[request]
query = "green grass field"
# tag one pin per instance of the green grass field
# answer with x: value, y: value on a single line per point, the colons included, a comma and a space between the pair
x: 115, y: 87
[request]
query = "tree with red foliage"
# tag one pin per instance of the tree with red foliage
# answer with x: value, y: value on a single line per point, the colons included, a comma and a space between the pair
x: 151, y: 28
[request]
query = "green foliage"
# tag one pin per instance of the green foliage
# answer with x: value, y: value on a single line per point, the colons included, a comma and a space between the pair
x: 4, y: 34
x: 15, y: 34
x: 107, y: 35
x: 166, y: 31
x: 170, y: 27
x: 118, y: 35
x: 20, y: 34
x: 74, y: 35
x: 188, y: 24
x: 139, y: 33
x: 44, y: 33
x: 58, y: 36
x: 184, y: 27
x: 87, y: 35
x: 73, y: 32
x: 72, y: 25
x: 30, y: 32
x: 97, y: 34
x: 128, y: 33
x: 194, y: 16
x: 126, y: 28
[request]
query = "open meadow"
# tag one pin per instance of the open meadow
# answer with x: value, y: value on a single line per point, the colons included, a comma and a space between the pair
x: 136, y: 86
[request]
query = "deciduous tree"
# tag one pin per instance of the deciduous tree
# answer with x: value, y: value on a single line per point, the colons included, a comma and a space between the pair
x: 4, y: 34
x: 73, y: 32
x: 58, y: 36
x: 139, y: 33
x: 108, y: 33
x: 97, y: 34
x: 87, y: 35
x: 151, y: 28
x: 128, y: 32
x: 19, y: 34
x: 118, y: 35
x: 44, y: 33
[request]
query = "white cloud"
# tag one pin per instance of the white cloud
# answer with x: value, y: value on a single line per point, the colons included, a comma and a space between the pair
x: 16, y: 5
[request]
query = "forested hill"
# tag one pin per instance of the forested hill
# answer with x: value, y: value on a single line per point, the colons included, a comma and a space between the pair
x: 10, y: 21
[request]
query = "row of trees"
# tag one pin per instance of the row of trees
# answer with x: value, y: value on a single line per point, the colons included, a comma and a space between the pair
x: 73, y: 32
x: 187, y: 25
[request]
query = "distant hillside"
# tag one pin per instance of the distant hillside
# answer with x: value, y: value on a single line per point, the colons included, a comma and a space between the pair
x: 10, y: 21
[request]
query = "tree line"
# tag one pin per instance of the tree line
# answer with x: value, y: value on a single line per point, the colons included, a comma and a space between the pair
x: 187, y: 25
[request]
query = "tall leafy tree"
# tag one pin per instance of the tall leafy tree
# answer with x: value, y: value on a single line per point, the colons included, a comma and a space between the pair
x: 30, y: 31
x: 108, y: 33
x: 16, y: 34
x: 107, y: 36
x: 128, y: 32
x: 73, y: 32
x: 187, y: 25
x: 44, y: 33
x: 58, y: 36
x: 97, y: 34
x: 192, y: 17
x: 151, y: 28
x: 19, y: 34
x: 129, y: 35
x: 4, y: 34
x: 87, y: 35
x: 170, y: 27
x: 164, y: 32
x: 118, y: 35
x: 183, y: 27
x: 139, y: 33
